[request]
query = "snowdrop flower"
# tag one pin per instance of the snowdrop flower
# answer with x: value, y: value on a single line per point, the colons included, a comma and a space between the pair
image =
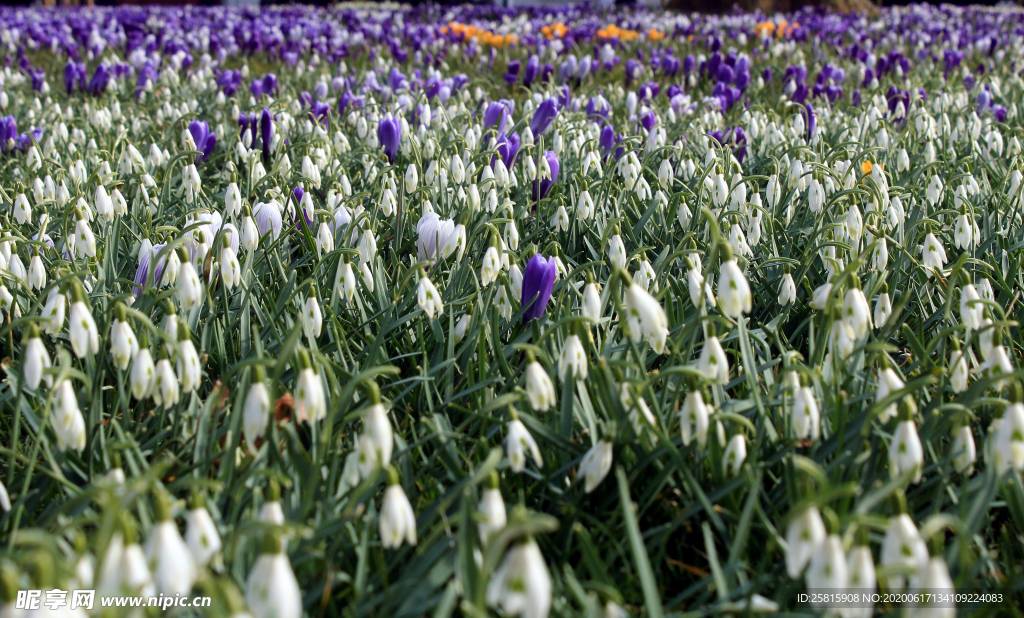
x: 595, y: 465
x: 856, y: 311
x: 804, y: 534
x: 860, y: 573
x: 35, y: 359
x: 883, y: 307
x: 539, y: 389
x: 345, y: 281
x: 585, y: 206
x: 773, y: 191
x: 189, y: 369
x: 806, y: 419
x: 85, y: 338
x: 880, y: 256
x: 645, y: 318
x: 256, y: 410
x: 169, y: 557
x: 841, y: 339
x: 84, y: 239
x: 492, y: 510
x: 412, y: 178
x: 165, y: 391
x: 592, y: 307
x: 905, y: 451
x: 958, y: 372
x: 713, y: 362
x: 272, y: 590
x: 123, y: 344
x: 904, y: 547
x: 250, y: 235
x: 377, y: 441
x: 310, y: 403
x: 815, y: 196
x: 971, y: 311
x: 572, y: 360
x: 933, y: 254
x: 22, y: 210
x: 462, y: 326
x: 964, y: 450
x: 820, y: 296
x: 519, y: 444
x: 734, y: 297
x: 521, y: 586
x: 104, y: 206
x: 201, y: 535
x: 67, y: 420
x: 694, y: 419
x: 720, y: 193
x: 36, y: 273
x: 428, y: 297
x: 828, y: 566
x: 397, y: 519
x: 934, y: 190
x: 787, y: 290
x: 312, y: 318
x: 695, y: 282
x: 190, y: 288
x: 963, y: 231
x: 491, y: 266
x: 617, y: 251
x: 735, y: 454
x: 230, y: 269
x: 888, y: 382
x: 1008, y: 442
x: 934, y: 579
x: 232, y: 201
x: 132, y: 574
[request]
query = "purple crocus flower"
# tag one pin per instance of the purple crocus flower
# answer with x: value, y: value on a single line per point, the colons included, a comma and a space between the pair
x: 812, y: 121
x: 546, y: 184
x: 512, y: 72
x: 538, y: 281
x: 648, y: 120
x: 855, y: 99
x: 689, y: 63
x: 270, y: 84
x: 70, y: 76
x: 204, y: 138
x: 598, y: 106
x: 543, y: 117
x: 319, y: 112
x: 100, y: 80
x: 632, y: 66
x: 607, y: 139
x: 496, y: 115
x: 530, y: 72
x: 142, y: 277
x: 266, y: 132
x: 508, y: 149
x: 389, y: 134
x: 8, y: 132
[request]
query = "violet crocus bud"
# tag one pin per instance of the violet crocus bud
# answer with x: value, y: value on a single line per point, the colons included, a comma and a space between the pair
x: 389, y: 134
x: 496, y: 115
x: 204, y: 138
x: 546, y: 183
x: 530, y: 73
x: 266, y: 132
x: 538, y: 281
x: 543, y: 117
